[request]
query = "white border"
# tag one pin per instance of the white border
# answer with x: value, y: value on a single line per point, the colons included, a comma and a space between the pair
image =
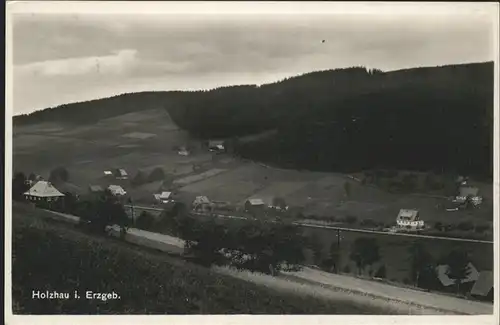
x: 260, y: 8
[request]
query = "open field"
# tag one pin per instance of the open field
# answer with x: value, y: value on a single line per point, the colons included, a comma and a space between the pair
x: 86, y: 151
x: 153, y: 283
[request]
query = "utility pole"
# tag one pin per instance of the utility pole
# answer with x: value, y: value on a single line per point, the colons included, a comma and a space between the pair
x: 132, y: 210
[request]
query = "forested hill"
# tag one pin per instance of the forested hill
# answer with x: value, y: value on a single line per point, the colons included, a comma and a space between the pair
x: 422, y: 118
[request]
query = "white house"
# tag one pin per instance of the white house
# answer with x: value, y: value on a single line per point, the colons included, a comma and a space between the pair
x: 165, y: 197
x: 108, y: 173
x: 409, y: 218
x: 116, y: 190
x: 43, y: 191
x: 183, y: 151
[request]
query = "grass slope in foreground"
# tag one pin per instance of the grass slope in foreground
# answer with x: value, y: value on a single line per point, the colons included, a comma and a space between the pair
x: 52, y: 256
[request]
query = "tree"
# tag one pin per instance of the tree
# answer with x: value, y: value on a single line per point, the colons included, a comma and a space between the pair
x: 333, y: 260
x: 139, y: 179
x: 19, y: 186
x: 364, y: 252
x: 59, y: 174
x: 351, y: 220
x: 381, y: 272
x: 105, y: 211
x: 465, y: 226
x: 458, y: 266
x: 420, y: 259
x: 438, y: 225
x: 145, y: 221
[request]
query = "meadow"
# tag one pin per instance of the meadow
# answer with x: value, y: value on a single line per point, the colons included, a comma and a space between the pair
x: 52, y: 256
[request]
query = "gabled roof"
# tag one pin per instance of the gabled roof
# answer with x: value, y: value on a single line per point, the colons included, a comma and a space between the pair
x: 43, y: 189
x: 122, y: 172
x: 116, y: 189
x: 201, y: 200
x: 256, y: 202
x: 165, y: 195
x: 483, y: 284
x: 95, y: 188
x: 408, y: 214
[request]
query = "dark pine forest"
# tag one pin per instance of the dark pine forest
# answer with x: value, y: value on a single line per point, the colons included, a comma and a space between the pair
x: 438, y: 118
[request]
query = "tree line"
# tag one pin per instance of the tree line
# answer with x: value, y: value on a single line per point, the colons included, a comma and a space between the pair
x: 438, y: 118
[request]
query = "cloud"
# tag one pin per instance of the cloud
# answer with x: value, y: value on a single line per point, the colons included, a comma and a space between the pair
x: 116, y: 64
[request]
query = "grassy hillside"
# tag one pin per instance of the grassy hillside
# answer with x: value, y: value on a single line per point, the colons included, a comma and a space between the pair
x: 52, y: 256
x: 348, y: 119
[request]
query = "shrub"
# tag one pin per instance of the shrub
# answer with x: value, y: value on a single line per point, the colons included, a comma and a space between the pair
x: 59, y: 174
x: 438, y: 226
x: 465, y: 226
x: 368, y: 223
x: 351, y: 220
x: 139, y: 179
x: 481, y: 228
x: 346, y: 269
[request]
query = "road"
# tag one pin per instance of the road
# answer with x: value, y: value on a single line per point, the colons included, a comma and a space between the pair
x: 302, y: 224
x: 323, y: 284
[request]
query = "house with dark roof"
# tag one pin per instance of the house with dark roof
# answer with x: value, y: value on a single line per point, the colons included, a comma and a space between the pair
x: 255, y: 205
x: 121, y: 173
x: 483, y: 287
x: 43, y: 191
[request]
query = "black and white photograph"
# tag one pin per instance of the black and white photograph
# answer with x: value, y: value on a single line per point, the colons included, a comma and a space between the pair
x: 251, y: 158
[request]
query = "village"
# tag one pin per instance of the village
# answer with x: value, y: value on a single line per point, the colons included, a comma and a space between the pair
x: 272, y: 208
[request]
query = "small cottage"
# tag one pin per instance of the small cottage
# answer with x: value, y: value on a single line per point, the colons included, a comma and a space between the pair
x: 469, y: 192
x: 216, y: 145
x: 165, y: 197
x: 43, y: 191
x: 409, y: 219
x: 117, y: 190
x: 202, y: 204
x: 255, y: 205
x: 121, y: 174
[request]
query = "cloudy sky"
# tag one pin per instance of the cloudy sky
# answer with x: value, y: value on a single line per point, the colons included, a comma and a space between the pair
x: 62, y: 58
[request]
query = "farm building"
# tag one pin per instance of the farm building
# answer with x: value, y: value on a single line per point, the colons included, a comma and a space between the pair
x: 255, y: 205
x: 447, y: 282
x: 183, y: 151
x: 483, y: 287
x: 469, y: 191
x: 121, y: 173
x: 43, y: 191
x: 216, y: 145
x: 117, y: 190
x: 409, y: 219
x: 108, y: 173
x: 202, y: 204
x: 164, y: 197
